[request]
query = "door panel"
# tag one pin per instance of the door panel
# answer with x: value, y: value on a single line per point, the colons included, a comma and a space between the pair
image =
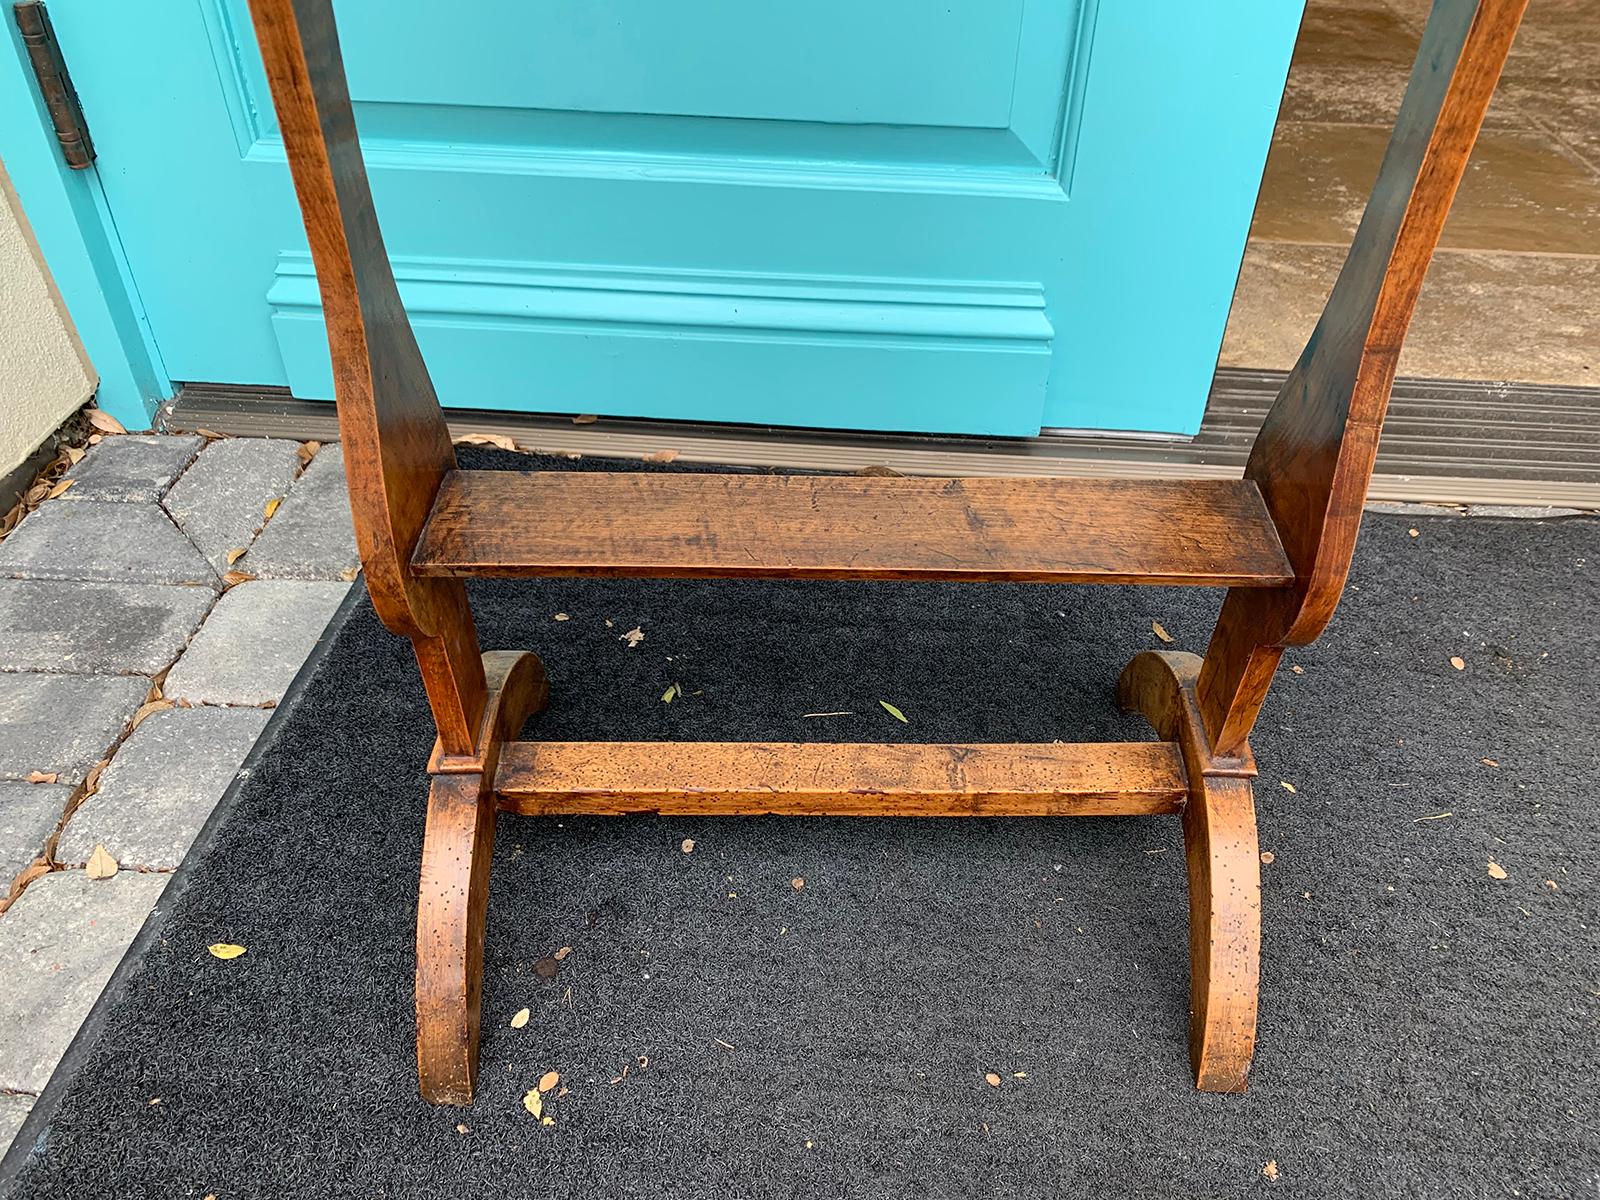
x: 897, y: 215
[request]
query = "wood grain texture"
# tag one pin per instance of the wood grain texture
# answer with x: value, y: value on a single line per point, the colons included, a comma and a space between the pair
x: 795, y: 779
x: 1314, y: 455
x: 852, y: 527
x: 453, y: 893
x: 396, y: 445
x: 1220, y: 848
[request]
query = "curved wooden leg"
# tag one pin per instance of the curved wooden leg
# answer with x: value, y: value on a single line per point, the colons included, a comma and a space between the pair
x: 1219, y: 837
x: 451, y: 906
x: 453, y: 898
x: 1219, y: 840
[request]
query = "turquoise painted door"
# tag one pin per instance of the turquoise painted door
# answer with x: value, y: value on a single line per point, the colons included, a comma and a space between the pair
x: 971, y: 216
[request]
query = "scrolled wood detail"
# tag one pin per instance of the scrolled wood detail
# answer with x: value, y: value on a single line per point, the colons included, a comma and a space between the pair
x: 1224, y: 867
x: 453, y: 894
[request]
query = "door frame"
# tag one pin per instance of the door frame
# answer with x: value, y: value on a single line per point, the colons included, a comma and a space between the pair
x: 76, y: 234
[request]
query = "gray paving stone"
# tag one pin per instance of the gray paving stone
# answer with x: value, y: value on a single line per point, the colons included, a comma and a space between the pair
x: 12, y: 1111
x: 28, y: 815
x: 63, y: 723
x: 138, y: 466
x: 108, y: 628
x: 221, y: 500
x: 96, y: 540
x: 59, y: 943
x: 257, y: 636
x: 162, y: 785
x: 310, y: 536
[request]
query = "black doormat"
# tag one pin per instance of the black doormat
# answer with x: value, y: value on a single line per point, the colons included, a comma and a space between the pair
x: 722, y: 1031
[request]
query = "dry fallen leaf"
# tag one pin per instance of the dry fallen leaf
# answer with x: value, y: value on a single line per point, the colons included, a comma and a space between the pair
x: 661, y: 456
x: 1458, y: 662
x: 61, y: 488
x: 349, y: 573
x: 585, y: 419
x: 1489, y: 762
x: 463, y: 1128
x: 561, y: 617
x: 1297, y: 669
x: 499, y: 440
x: 533, y: 1103
x: 101, y: 865
x: 1287, y: 786
x: 104, y: 421
x: 992, y: 1079
x: 688, y: 846
x: 234, y: 577
x: 521, y: 1018
x: 1496, y: 871
x: 1271, y: 1169
x: 1157, y: 629
x: 236, y: 554
x: 633, y: 637
x: 548, y: 1080
x: 894, y: 712
x: 1267, y: 857
x: 672, y: 693
x: 272, y: 507
x: 225, y: 950
x: 797, y: 883
x: 42, y: 776
x: 1414, y: 532
x: 562, y: 953
x: 1552, y: 885
x: 547, y: 1120
x: 1019, y: 1074
x: 307, y: 451
x: 145, y: 710
x: 74, y: 455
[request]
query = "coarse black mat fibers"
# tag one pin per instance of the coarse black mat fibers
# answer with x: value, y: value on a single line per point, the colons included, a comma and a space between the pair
x: 1427, y: 1028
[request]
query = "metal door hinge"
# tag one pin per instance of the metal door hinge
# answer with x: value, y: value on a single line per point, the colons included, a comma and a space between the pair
x: 55, y: 85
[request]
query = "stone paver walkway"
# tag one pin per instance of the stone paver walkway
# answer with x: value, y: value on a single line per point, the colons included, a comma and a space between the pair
x: 151, y: 616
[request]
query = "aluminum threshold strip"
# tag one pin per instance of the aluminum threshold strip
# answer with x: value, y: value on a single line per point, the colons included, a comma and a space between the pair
x: 1445, y: 442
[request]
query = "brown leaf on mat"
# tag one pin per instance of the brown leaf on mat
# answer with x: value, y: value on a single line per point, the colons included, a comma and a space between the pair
x: 521, y: 1019
x: 661, y: 456
x: 42, y: 776
x: 1156, y: 628
x: 1496, y: 871
x: 307, y: 451
x: 533, y: 1102
x: 225, y: 950
x: 1458, y: 662
x: 992, y: 1079
x: 104, y: 421
x: 548, y: 1080
x: 101, y: 865
x: 633, y: 637
x: 688, y: 846
x: 562, y: 953
x: 1271, y: 1169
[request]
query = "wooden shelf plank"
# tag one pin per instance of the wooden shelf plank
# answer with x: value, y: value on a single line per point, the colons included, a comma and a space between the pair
x: 818, y: 779
x: 1212, y: 532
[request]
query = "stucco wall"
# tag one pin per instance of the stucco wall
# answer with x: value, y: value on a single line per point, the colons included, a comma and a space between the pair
x: 44, y: 373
